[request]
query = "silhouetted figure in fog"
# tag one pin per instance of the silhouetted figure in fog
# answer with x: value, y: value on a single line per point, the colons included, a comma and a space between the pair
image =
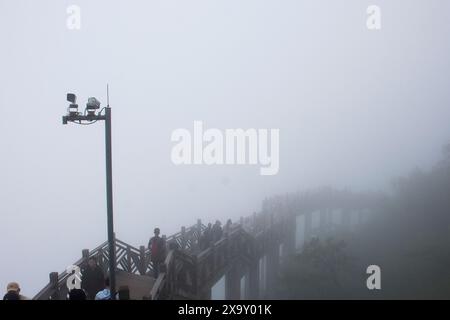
x: 216, y: 231
x: 157, y: 247
x: 207, y: 237
x: 77, y: 294
x: 228, y: 225
x: 92, y: 278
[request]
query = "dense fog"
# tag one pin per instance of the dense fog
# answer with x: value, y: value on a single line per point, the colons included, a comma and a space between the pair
x: 360, y: 110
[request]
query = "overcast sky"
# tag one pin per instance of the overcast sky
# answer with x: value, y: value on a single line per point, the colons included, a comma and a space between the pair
x: 354, y: 107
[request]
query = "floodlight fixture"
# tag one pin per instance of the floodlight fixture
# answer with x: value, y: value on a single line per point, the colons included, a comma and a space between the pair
x: 71, y: 97
x: 92, y: 105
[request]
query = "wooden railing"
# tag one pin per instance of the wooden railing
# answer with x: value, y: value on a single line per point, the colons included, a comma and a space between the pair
x: 189, y: 273
x: 189, y: 268
x: 128, y: 259
x: 186, y: 270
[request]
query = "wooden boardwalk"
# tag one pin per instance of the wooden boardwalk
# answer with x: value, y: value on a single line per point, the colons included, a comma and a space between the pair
x: 190, y: 270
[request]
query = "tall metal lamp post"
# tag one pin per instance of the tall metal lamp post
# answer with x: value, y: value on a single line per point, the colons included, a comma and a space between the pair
x: 90, y: 116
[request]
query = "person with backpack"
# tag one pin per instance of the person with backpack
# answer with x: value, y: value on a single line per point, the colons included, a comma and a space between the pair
x: 157, y: 247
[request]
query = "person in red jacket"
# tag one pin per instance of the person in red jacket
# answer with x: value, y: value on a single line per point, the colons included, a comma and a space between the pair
x: 157, y: 247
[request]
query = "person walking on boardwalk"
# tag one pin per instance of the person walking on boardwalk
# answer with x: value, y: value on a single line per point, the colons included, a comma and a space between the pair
x: 92, y: 278
x: 216, y: 231
x: 157, y: 247
x: 206, y: 238
x: 228, y: 226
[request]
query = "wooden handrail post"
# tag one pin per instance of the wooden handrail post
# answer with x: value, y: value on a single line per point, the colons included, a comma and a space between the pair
x: 85, y: 255
x: 199, y: 226
x: 54, y: 279
x: 142, y: 260
x: 213, y: 258
x: 129, y: 268
x: 227, y: 246
x: 199, y: 232
x: 101, y: 260
x: 183, y: 237
x: 164, y: 240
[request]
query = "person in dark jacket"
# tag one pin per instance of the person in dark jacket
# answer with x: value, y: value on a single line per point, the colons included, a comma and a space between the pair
x: 77, y: 294
x: 13, y: 292
x: 11, y: 295
x: 92, y: 279
x: 157, y: 247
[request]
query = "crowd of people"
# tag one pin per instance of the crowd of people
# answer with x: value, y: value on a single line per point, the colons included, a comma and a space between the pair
x: 95, y: 285
x: 213, y: 233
